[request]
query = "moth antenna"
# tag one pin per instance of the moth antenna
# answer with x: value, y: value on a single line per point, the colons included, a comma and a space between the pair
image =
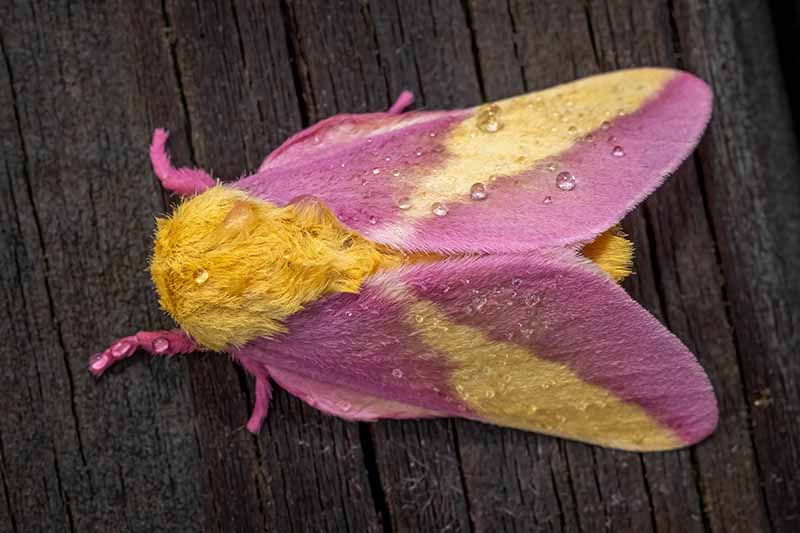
x: 405, y: 99
x: 182, y: 181
x: 163, y: 343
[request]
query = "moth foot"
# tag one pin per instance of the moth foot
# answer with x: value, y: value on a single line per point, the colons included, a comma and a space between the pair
x: 166, y: 343
x: 405, y: 99
x: 183, y: 181
x: 263, y: 395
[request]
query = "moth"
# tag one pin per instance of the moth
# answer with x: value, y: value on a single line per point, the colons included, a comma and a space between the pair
x: 457, y: 263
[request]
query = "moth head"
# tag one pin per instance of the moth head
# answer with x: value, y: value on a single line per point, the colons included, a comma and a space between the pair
x: 229, y: 267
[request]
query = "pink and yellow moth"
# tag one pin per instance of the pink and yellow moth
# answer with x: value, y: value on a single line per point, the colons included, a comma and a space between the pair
x: 445, y: 263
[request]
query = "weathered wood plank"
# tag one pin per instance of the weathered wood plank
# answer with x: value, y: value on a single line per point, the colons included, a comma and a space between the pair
x: 79, y: 454
x: 160, y: 445
x: 750, y: 167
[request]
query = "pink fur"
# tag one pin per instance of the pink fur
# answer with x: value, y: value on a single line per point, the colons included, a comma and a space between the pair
x: 343, y: 402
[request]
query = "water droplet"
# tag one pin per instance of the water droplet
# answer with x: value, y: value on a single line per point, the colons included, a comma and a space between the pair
x: 606, y: 125
x: 160, y: 345
x: 565, y: 181
x: 572, y: 130
x: 551, y: 166
x: 547, y: 200
x: 373, y: 219
x: 460, y: 388
x: 369, y: 140
x: 376, y: 170
x: 489, y: 393
x: 439, y: 209
x: 397, y: 373
x: 478, y: 191
x: 488, y: 121
x: 404, y: 202
x: 121, y: 349
x: 344, y: 406
x: 478, y: 302
x: 419, y: 319
x: 316, y: 139
x: 201, y: 276
x: 342, y: 165
x: 589, y: 138
x: 532, y: 300
x: 396, y: 173
x: 387, y: 158
x: 489, y: 124
x: 764, y: 398
x: 618, y: 151
x: 98, y: 361
x: 418, y: 152
x: 432, y: 134
x: 348, y: 314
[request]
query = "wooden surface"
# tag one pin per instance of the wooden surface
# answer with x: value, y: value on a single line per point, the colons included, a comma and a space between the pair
x: 159, y: 445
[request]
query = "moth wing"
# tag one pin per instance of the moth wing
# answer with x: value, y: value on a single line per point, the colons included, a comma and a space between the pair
x: 345, y: 402
x: 545, y: 343
x: 558, y: 166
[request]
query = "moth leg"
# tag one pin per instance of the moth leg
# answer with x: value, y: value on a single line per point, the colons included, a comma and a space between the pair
x: 263, y: 396
x: 405, y: 99
x: 165, y: 343
x: 182, y: 181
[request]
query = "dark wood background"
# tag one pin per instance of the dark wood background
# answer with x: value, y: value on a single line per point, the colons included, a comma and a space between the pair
x: 159, y: 445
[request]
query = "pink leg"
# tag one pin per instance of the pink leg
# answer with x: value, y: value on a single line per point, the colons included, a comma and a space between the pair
x: 263, y: 395
x: 171, y: 342
x: 405, y: 99
x: 183, y: 181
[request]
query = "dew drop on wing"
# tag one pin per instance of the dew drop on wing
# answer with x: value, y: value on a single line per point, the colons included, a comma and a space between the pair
x: 565, y: 181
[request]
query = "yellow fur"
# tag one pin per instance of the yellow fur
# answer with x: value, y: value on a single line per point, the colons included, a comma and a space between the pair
x: 229, y: 267
x: 612, y: 252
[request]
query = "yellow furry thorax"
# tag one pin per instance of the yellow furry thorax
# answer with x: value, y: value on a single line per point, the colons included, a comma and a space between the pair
x: 230, y: 268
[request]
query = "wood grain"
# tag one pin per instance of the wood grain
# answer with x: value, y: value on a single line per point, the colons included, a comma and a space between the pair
x: 160, y: 444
